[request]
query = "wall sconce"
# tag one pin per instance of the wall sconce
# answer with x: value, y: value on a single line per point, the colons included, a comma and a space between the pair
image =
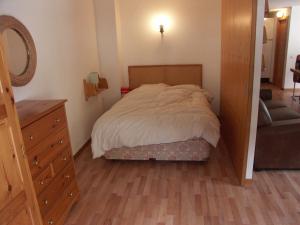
x: 161, y: 23
x: 162, y: 29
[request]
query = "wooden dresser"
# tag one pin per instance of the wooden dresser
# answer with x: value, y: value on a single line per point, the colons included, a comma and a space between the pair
x: 47, y: 146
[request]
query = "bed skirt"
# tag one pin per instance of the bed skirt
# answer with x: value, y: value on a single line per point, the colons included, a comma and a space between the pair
x: 190, y: 150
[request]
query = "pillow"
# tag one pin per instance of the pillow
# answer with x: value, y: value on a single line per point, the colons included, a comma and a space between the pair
x: 194, y: 87
x: 153, y: 85
x: 264, y: 117
x: 187, y: 86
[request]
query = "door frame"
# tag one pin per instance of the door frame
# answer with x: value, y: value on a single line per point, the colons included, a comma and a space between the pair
x: 12, y: 117
x: 256, y: 90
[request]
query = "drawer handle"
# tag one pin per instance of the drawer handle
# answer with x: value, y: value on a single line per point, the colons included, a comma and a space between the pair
x: 46, y: 202
x: 64, y: 158
x: 60, y: 142
x: 56, y: 121
x: 30, y: 137
x: 42, y: 182
x: 35, y: 162
x: 71, y: 194
x: 51, y: 222
x: 67, y: 176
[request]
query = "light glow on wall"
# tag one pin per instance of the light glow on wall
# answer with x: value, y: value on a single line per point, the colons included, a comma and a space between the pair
x: 159, y: 20
x: 281, y: 13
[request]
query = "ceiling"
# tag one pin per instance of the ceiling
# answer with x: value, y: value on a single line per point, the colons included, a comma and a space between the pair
x: 283, y: 3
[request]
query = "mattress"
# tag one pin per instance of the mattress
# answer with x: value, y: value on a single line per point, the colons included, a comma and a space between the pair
x: 190, y: 150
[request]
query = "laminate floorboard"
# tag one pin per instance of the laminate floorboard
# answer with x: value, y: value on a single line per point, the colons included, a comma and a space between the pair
x: 181, y: 193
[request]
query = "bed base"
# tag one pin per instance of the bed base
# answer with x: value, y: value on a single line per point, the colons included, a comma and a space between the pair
x: 191, y: 150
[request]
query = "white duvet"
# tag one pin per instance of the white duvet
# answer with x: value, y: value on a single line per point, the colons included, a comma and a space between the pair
x: 155, y: 114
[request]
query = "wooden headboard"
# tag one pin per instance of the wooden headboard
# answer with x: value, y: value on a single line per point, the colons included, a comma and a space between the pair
x: 168, y: 74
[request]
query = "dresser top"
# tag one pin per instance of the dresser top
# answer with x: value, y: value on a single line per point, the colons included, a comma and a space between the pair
x: 31, y: 110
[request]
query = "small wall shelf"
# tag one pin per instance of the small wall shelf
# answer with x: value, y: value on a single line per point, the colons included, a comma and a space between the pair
x: 91, y: 89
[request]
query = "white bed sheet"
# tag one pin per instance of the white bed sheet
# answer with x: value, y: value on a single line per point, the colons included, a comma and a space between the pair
x: 156, y: 114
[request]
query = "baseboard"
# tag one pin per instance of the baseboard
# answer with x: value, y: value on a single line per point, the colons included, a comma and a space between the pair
x: 77, y: 154
x: 247, y: 182
x: 291, y: 89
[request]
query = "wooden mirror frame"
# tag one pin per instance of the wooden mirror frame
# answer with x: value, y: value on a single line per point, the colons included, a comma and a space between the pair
x: 9, y: 22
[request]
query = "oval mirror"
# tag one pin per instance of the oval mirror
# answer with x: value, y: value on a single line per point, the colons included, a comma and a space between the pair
x: 16, y: 52
x: 19, y: 50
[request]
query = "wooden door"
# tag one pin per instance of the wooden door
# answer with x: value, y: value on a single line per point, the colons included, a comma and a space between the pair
x: 17, y: 203
x: 238, y: 49
x: 280, y: 52
x: 267, y: 8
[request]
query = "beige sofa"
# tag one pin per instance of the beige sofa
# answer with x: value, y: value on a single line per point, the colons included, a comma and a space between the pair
x: 278, y: 137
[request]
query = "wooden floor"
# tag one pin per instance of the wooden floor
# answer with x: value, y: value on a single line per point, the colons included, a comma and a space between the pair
x: 179, y: 193
x: 284, y: 95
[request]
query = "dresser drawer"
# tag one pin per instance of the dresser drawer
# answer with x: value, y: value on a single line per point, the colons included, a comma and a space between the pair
x: 46, y: 151
x: 43, y: 179
x: 40, y: 129
x: 58, y: 213
x: 62, y: 160
x: 49, y: 154
x: 50, y: 195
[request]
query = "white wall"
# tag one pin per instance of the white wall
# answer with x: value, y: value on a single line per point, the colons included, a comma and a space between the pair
x: 293, y: 46
x: 65, y: 39
x: 256, y: 86
x: 126, y: 37
x: 108, y: 48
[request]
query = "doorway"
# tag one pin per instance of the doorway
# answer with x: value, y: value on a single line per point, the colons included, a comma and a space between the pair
x: 278, y: 128
x: 276, y: 26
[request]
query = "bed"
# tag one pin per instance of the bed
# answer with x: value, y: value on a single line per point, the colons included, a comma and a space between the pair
x: 166, y: 116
